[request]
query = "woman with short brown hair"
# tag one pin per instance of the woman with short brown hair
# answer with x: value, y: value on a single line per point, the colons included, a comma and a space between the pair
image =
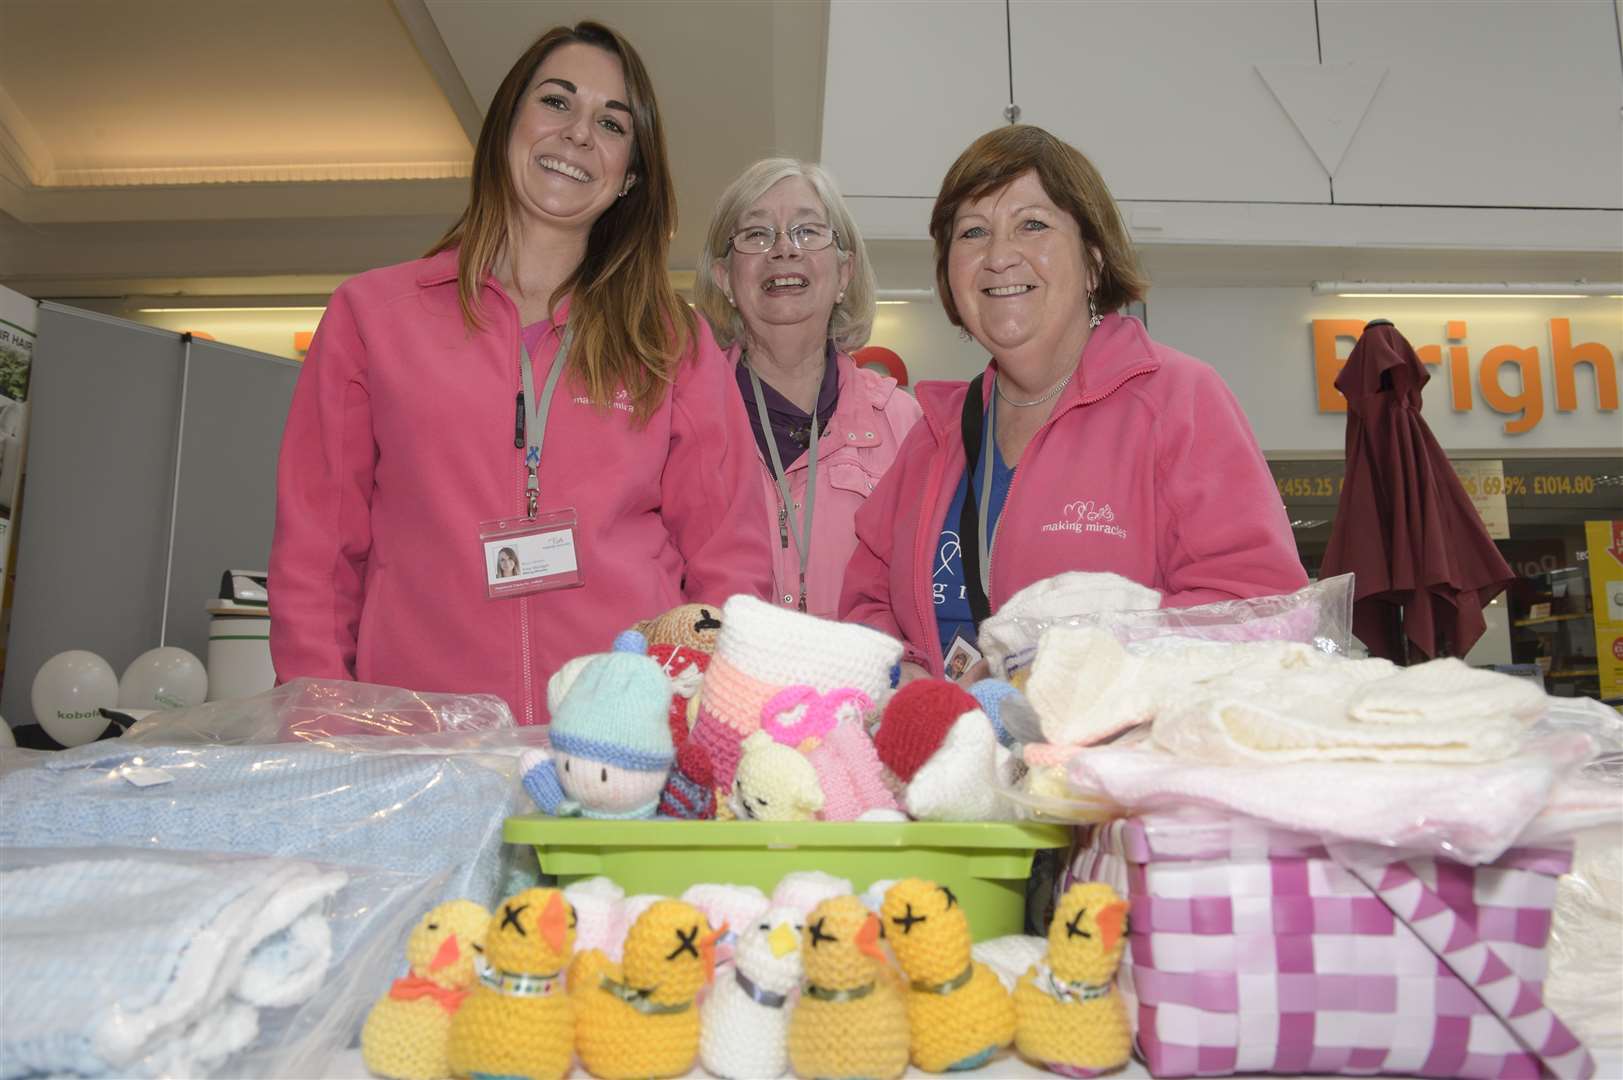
x: 1085, y: 445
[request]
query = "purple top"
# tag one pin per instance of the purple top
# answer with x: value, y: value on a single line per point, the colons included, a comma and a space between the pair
x: 791, y: 428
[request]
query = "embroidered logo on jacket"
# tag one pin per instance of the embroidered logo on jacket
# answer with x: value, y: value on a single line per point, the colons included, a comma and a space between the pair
x: 1087, y: 516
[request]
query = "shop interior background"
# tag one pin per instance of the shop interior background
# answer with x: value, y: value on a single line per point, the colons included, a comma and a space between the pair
x: 1287, y: 168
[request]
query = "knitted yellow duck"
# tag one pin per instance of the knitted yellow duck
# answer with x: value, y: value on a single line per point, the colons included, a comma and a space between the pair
x: 959, y: 1012
x: 638, y: 1018
x: 1069, y: 1017
x: 850, y: 1021
x: 408, y: 1030
x: 518, y: 1021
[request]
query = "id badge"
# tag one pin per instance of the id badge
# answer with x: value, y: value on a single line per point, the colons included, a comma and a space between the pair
x: 527, y: 555
x: 961, y: 656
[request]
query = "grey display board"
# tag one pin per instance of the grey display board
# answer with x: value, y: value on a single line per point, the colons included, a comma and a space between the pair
x: 147, y: 465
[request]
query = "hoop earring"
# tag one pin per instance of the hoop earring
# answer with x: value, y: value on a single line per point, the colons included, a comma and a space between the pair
x: 1094, y: 318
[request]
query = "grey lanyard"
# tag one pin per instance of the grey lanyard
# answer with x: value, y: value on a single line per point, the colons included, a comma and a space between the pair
x: 985, y: 499
x: 535, y: 414
x: 802, y: 534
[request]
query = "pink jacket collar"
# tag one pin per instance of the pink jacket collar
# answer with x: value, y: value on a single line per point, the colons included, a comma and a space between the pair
x: 853, y: 423
x: 441, y: 269
x: 1118, y: 350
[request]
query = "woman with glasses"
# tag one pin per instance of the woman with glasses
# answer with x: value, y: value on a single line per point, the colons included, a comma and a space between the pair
x: 786, y: 284
x: 533, y: 385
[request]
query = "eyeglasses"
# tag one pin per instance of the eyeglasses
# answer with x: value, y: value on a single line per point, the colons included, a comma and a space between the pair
x: 812, y: 236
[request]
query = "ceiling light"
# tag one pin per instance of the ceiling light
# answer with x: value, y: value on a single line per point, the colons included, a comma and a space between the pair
x: 207, y: 310
x: 893, y: 302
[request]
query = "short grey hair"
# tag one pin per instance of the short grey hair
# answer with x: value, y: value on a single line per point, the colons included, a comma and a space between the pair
x: 852, y: 319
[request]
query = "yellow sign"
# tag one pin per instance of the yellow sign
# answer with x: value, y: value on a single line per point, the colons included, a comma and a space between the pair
x: 1606, y: 591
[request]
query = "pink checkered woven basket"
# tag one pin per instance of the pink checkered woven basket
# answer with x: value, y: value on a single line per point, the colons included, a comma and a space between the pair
x: 1252, y: 951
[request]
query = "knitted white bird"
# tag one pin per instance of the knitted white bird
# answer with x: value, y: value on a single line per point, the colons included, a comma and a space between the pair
x: 745, y: 1021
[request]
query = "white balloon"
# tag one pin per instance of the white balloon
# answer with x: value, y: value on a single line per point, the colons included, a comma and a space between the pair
x: 69, y: 691
x: 163, y: 678
x: 7, y: 739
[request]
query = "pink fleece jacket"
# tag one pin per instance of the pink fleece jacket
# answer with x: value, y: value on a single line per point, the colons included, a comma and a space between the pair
x: 870, y: 421
x: 1146, y: 468
x: 399, y: 443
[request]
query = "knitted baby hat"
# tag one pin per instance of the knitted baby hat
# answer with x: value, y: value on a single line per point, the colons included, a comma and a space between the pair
x: 917, y: 721
x: 615, y: 713
x: 1009, y: 636
x: 764, y: 649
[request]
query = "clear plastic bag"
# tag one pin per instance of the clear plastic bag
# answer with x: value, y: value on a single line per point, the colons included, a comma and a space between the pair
x: 312, y: 710
x: 126, y: 963
x: 1319, y: 615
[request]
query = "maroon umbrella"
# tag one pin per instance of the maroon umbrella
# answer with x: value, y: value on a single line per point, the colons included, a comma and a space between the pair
x: 1423, y: 562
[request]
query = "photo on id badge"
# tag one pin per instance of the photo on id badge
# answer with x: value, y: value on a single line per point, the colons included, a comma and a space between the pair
x: 961, y: 656
x: 522, y: 559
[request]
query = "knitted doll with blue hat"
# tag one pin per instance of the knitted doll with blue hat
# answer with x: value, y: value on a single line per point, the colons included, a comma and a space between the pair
x: 611, y: 744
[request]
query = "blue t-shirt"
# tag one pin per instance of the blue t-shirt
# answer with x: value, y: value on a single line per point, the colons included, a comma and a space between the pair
x: 952, y: 614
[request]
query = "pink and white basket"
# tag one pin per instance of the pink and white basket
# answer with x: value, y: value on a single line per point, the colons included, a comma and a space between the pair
x: 1252, y: 951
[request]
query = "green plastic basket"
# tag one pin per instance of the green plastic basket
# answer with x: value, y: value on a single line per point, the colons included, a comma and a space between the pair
x: 984, y: 863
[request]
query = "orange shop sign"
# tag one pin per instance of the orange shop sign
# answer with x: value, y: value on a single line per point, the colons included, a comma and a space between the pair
x: 1509, y: 378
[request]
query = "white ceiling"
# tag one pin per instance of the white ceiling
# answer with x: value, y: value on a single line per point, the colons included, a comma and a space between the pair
x: 179, y: 141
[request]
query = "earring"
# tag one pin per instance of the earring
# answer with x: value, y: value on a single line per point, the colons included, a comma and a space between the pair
x: 963, y: 333
x: 1094, y: 318
x: 840, y: 299
x: 730, y: 300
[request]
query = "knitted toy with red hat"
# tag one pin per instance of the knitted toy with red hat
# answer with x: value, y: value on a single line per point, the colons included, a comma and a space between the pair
x: 938, y: 742
x: 683, y: 641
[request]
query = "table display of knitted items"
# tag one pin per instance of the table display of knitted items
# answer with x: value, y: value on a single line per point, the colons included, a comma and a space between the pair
x: 690, y: 793
x: 683, y: 639
x: 1069, y: 1016
x: 1440, y: 712
x: 803, y: 890
x: 764, y: 649
x: 850, y: 1020
x: 611, y: 745
x: 518, y: 1021
x: 958, y: 1011
x: 638, y: 1018
x: 408, y: 1032
x: 744, y: 1022
x: 937, y: 741
x: 828, y: 729
x: 774, y: 782
x: 1009, y: 637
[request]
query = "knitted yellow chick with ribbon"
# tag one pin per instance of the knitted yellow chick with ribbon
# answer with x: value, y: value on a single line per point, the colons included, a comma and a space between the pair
x: 408, y: 1030
x: 518, y: 1021
x: 850, y: 1021
x: 639, y: 1018
x: 959, y: 1012
x: 774, y: 782
x: 1069, y: 1016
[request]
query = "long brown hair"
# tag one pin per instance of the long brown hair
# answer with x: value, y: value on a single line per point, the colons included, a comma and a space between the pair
x: 630, y: 327
x: 1003, y: 155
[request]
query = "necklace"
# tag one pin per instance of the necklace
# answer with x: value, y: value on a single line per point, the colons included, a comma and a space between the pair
x: 1052, y: 392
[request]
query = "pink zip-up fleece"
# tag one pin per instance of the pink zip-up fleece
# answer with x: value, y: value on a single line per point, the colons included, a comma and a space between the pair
x: 1146, y: 468
x: 871, y: 418
x: 400, y: 442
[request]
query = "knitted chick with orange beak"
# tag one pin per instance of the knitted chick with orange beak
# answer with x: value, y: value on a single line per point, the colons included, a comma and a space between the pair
x: 518, y: 1021
x: 850, y: 1021
x: 408, y: 1030
x: 639, y: 1018
x: 959, y: 1012
x: 1069, y: 1016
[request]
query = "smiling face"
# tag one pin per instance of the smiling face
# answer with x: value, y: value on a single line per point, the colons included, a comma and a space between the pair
x: 784, y: 286
x: 571, y: 143
x: 1019, y: 272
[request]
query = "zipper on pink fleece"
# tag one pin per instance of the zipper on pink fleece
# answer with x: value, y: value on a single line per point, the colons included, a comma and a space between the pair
x: 526, y: 663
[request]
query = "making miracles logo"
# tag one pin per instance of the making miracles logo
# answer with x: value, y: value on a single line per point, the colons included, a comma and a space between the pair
x: 1087, y: 516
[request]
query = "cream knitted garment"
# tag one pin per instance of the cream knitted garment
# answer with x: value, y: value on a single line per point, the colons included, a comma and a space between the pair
x: 1012, y: 632
x: 1352, y: 710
